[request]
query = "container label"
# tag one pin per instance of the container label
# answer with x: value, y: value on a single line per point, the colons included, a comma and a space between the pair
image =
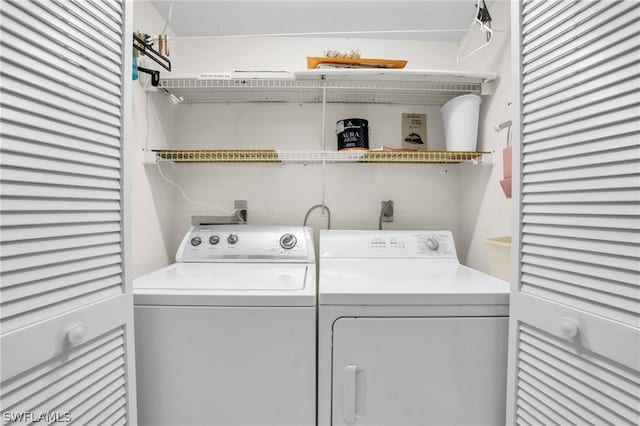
x: 414, y: 131
x: 353, y: 133
x: 214, y: 76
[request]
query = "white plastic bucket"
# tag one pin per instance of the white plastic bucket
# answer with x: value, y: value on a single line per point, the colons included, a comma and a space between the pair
x: 460, y: 117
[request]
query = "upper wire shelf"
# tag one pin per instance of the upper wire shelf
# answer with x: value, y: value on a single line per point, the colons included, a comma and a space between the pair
x: 412, y: 87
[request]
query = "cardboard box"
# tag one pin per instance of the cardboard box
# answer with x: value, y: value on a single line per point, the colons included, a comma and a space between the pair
x: 414, y: 131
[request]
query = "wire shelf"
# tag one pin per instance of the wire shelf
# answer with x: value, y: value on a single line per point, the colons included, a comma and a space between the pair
x: 292, y: 84
x: 273, y: 156
x: 421, y: 156
x: 380, y: 87
x: 219, y: 156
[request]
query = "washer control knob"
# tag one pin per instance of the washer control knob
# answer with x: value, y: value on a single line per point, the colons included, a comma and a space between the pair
x: 196, y: 241
x: 288, y: 241
x: 214, y: 239
x: 232, y: 239
x: 433, y: 243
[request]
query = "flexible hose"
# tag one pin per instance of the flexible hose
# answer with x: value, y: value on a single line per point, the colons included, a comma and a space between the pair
x: 318, y: 206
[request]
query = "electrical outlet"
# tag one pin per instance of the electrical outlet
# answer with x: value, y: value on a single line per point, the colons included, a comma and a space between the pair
x: 240, y: 210
x: 387, y: 213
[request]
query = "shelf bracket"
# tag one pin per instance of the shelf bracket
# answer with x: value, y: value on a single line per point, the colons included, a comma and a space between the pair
x: 149, y: 157
x: 488, y: 87
x: 486, y: 159
x: 155, y: 75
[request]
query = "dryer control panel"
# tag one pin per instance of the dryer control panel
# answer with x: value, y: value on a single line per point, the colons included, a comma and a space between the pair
x: 387, y: 244
x: 246, y: 243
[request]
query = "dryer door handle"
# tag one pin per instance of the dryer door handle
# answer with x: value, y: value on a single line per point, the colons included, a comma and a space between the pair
x: 350, y: 396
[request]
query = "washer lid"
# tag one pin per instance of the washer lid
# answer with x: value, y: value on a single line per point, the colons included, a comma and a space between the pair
x: 406, y: 282
x: 223, y: 284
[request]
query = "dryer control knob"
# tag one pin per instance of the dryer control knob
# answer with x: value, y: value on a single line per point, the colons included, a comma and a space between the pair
x: 214, y: 239
x: 433, y: 244
x: 288, y: 241
x: 196, y: 241
x: 232, y: 239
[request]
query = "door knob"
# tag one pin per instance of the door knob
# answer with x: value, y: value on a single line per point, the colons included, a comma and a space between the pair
x: 569, y: 327
x: 77, y: 333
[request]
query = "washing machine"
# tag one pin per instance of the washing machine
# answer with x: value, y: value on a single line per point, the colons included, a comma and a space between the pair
x: 227, y: 334
x: 407, y: 335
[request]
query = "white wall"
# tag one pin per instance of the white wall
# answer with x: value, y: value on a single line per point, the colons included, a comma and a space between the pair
x: 485, y: 211
x: 290, y: 53
x: 426, y: 196
x: 152, y: 198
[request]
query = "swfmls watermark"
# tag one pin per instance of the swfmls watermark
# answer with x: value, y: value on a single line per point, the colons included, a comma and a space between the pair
x: 36, y: 417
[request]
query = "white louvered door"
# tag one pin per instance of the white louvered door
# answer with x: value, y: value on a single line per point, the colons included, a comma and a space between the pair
x: 574, y: 355
x: 66, y: 306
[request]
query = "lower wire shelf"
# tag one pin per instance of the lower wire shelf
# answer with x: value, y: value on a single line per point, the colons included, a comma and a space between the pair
x: 273, y: 156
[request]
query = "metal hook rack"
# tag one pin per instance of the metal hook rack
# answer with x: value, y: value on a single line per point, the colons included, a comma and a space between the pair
x: 145, y: 48
x: 483, y: 20
x: 484, y: 16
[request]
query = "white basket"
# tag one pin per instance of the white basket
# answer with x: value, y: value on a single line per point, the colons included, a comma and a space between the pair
x: 499, y: 255
x: 460, y: 118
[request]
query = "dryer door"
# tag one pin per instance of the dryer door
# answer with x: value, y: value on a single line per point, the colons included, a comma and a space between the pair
x: 410, y: 371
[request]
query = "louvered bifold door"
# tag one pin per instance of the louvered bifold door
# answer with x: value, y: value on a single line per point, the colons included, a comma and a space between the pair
x: 575, y: 317
x: 65, y: 303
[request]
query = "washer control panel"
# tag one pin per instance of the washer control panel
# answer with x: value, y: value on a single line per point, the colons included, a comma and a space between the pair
x: 387, y: 244
x: 211, y: 243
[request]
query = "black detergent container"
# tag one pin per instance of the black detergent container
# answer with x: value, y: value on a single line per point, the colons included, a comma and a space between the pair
x: 353, y: 134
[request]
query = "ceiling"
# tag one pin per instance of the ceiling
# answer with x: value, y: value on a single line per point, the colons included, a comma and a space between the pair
x: 392, y: 19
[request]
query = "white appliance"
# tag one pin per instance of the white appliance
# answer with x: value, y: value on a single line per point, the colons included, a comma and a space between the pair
x: 227, y: 334
x: 407, y: 335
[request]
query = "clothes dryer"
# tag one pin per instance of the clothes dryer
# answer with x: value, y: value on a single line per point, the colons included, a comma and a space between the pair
x: 407, y: 335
